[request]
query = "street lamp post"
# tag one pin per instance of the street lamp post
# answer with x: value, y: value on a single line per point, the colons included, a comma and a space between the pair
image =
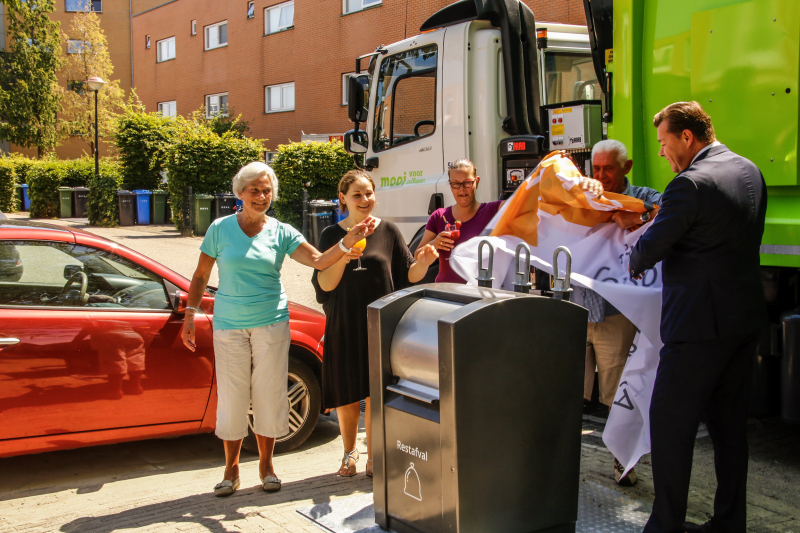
x: 96, y: 84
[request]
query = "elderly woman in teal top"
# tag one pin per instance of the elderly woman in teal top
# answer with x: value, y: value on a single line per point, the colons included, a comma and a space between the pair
x: 251, y: 316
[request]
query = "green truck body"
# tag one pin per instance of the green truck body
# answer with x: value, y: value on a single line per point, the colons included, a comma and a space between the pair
x: 741, y: 61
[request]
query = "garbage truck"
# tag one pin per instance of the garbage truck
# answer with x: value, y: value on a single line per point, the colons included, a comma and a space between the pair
x: 484, y: 80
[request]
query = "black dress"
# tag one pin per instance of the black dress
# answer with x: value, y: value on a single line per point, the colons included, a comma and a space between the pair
x: 345, y: 361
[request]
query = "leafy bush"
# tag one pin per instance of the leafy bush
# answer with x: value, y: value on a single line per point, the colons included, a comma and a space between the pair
x: 8, y: 182
x: 143, y: 140
x: 44, y: 179
x: 21, y: 166
x: 205, y: 161
x: 320, y: 164
x: 77, y: 172
x: 102, y: 203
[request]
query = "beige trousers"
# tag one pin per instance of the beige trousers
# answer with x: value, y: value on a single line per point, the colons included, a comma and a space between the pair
x: 608, y: 344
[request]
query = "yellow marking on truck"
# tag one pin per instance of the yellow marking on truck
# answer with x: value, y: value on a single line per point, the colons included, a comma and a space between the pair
x: 556, y: 111
x: 567, y: 110
x: 609, y: 56
x: 558, y: 129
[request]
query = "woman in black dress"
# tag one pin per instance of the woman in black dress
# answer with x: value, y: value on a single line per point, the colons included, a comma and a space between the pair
x: 345, y: 293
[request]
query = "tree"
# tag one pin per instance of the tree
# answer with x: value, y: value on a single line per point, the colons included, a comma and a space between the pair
x: 87, y: 56
x: 29, y: 93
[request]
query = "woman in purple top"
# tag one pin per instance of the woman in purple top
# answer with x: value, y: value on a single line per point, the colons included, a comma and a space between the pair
x: 470, y: 216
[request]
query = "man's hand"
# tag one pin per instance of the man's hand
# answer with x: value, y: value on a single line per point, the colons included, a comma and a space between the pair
x: 427, y: 255
x: 627, y: 220
x: 630, y: 272
x: 593, y: 186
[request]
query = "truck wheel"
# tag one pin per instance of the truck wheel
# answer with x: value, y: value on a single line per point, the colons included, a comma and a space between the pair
x: 304, y: 399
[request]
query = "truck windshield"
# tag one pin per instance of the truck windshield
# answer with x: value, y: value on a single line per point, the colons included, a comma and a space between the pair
x: 570, y: 76
x: 405, y: 103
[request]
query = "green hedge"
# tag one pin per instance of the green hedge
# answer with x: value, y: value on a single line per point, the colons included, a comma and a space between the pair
x: 44, y: 179
x: 205, y: 161
x: 320, y: 164
x: 8, y: 185
x: 102, y: 203
x: 22, y: 166
x: 143, y: 141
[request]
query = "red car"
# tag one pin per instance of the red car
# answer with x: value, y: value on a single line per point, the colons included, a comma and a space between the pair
x: 91, y: 352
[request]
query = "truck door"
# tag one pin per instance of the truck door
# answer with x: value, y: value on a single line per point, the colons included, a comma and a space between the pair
x: 406, y: 136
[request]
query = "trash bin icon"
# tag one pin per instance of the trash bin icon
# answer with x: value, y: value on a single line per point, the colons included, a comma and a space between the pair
x: 413, y: 487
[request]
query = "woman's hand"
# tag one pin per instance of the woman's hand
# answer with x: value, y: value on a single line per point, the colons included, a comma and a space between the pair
x: 187, y: 333
x: 360, y: 231
x: 443, y: 241
x: 426, y: 255
x: 353, y: 254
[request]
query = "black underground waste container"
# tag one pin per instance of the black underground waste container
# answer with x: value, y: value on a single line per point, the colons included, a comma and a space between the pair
x: 222, y: 205
x: 790, y: 367
x: 80, y: 197
x: 127, y: 208
x: 320, y: 216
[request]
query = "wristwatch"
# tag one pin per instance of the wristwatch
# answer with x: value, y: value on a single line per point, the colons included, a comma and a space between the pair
x: 645, y: 216
x: 342, y: 247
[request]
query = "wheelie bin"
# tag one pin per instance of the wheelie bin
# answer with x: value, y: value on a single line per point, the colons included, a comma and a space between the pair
x: 202, y: 213
x: 127, y: 208
x: 158, y: 207
x: 20, y: 196
x: 143, y: 206
x: 26, y: 200
x: 65, y: 202
x: 320, y: 216
x: 222, y: 205
x: 80, y: 196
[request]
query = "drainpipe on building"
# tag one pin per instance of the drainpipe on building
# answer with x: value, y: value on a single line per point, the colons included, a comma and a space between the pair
x: 130, y: 32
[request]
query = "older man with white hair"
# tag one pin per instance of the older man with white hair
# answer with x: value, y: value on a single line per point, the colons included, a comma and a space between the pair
x: 610, y: 334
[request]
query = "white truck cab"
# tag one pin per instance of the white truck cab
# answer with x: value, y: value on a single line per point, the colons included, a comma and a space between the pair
x: 444, y: 95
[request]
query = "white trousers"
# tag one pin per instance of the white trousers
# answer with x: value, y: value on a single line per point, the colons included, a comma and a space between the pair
x: 252, y: 363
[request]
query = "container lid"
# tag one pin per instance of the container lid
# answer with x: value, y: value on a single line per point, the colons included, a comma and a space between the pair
x: 224, y: 195
x: 160, y: 191
x: 24, y: 185
x: 203, y: 196
x: 65, y: 188
x: 80, y: 188
x: 326, y: 203
x: 142, y: 191
x: 124, y: 192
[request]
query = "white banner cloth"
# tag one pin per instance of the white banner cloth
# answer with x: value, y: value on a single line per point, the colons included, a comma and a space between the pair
x: 599, y: 262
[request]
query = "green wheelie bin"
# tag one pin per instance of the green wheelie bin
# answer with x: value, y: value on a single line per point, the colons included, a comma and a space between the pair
x: 158, y: 207
x: 202, y: 213
x: 65, y: 202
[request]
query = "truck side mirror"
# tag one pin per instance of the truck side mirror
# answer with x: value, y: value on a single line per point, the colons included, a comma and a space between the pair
x: 355, y: 100
x: 356, y: 142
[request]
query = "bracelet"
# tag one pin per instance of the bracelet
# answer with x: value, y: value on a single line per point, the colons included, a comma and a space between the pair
x: 342, y: 247
x: 192, y: 308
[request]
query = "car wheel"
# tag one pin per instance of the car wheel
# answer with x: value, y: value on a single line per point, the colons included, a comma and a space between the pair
x: 304, y: 399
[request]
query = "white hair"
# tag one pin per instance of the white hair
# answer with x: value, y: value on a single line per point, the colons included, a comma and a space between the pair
x: 614, y: 147
x: 253, y: 171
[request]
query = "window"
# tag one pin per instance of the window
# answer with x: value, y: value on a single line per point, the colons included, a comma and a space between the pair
x: 405, y: 104
x: 84, y: 5
x: 280, y: 98
x: 75, y: 46
x: 40, y: 273
x: 217, y: 104
x: 77, y: 87
x: 251, y: 9
x: 194, y: 27
x: 168, y: 109
x: 166, y: 49
x: 569, y: 77
x: 278, y: 18
x: 216, y: 35
x: 147, y: 41
x: 351, y: 6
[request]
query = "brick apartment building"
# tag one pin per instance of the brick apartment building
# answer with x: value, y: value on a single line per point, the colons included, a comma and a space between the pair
x: 279, y: 64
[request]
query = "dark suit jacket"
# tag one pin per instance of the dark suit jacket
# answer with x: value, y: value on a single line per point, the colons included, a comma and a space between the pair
x: 708, y: 234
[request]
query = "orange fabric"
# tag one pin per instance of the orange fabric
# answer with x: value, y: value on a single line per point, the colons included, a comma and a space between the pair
x: 521, y: 219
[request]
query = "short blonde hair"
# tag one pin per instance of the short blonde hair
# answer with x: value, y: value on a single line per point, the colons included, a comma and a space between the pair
x: 463, y: 165
x: 253, y: 171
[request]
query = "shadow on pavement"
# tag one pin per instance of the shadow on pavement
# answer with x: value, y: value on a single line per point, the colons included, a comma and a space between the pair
x: 88, y: 469
x: 210, y: 511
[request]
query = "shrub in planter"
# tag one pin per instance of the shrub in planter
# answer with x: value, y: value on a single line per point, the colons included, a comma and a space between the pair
x: 8, y: 182
x: 205, y: 161
x: 102, y: 203
x: 44, y: 179
x: 320, y: 164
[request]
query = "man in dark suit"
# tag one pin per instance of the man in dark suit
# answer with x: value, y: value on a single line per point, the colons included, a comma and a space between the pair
x: 708, y: 235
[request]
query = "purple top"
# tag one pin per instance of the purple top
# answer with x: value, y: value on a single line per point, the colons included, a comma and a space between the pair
x: 469, y: 229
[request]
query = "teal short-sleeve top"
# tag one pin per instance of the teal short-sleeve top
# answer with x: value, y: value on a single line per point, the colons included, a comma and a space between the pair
x: 250, y: 291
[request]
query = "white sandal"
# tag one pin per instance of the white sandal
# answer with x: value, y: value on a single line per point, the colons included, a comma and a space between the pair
x: 226, y: 487
x: 270, y: 483
x: 346, y: 462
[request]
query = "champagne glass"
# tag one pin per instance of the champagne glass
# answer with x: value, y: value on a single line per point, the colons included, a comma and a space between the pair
x: 363, y: 245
